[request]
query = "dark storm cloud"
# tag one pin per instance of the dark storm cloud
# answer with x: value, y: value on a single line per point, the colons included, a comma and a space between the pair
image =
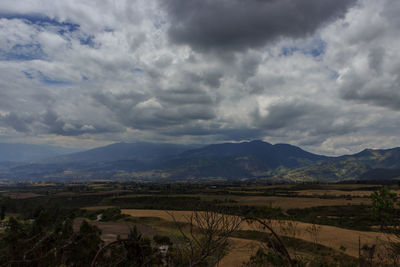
x: 238, y: 25
x: 52, y: 123
x: 188, y: 96
x: 169, y: 108
x: 388, y: 97
x: 375, y: 59
x: 326, y: 127
x: 212, y: 78
x: 373, y: 89
x: 284, y: 114
x: 309, y: 118
x: 214, y: 130
x: 192, y: 71
x: 20, y: 123
x: 44, y: 98
x: 248, y: 67
x: 209, y: 77
x: 123, y: 102
x: 5, y: 102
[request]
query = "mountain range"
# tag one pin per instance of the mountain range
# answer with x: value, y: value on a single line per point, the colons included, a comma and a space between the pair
x: 150, y: 161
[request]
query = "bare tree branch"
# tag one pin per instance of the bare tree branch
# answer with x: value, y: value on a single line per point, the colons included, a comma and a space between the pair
x: 282, y: 246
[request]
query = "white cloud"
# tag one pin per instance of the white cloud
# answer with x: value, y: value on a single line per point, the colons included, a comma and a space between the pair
x: 107, y: 71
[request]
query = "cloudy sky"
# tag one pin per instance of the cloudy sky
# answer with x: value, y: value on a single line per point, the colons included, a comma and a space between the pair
x: 321, y: 74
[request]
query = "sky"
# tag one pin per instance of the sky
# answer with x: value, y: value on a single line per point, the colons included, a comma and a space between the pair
x: 320, y: 74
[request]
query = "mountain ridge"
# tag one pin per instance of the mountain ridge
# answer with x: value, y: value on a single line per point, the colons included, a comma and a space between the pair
x: 251, y: 160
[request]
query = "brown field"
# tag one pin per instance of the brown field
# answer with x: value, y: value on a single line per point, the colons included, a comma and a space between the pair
x: 298, y: 202
x: 240, y: 251
x: 320, y: 186
x: 105, y: 192
x: 284, y: 202
x: 16, y: 195
x: 337, y: 193
x: 111, y: 230
x: 328, y: 236
x: 43, y: 184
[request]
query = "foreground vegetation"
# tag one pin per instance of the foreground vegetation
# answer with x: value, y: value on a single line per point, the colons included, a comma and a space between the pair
x: 81, y: 224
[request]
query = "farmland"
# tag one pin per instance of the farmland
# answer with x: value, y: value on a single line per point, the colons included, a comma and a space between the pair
x: 337, y: 219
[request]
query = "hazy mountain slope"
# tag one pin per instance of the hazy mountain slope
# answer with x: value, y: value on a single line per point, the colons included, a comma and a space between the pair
x: 99, y: 162
x: 255, y: 159
x: 142, y: 152
x: 245, y: 159
x: 14, y: 152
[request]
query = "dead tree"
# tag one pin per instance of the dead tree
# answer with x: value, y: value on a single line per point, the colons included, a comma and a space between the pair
x: 206, y: 236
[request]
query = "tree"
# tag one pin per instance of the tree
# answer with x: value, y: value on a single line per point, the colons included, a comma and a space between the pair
x: 135, y: 250
x: 205, y: 236
x: 86, y: 243
x: 2, y: 212
x: 48, y: 241
x: 383, y: 205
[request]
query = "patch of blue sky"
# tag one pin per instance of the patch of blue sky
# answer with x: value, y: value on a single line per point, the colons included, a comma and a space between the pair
x: 23, y: 52
x: 65, y: 29
x: 137, y: 70
x: 28, y: 75
x: 50, y: 81
x: 315, y: 49
x: 289, y: 50
x: 333, y: 74
x: 40, y: 20
x: 88, y: 40
x: 47, y: 80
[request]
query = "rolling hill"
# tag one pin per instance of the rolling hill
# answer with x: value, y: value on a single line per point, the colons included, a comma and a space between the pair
x: 369, y: 164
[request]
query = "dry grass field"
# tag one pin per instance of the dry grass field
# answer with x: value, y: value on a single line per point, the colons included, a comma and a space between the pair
x: 240, y: 251
x: 337, y: 193
x: 275, y: 201
x: 111, y: 230
x: 320, y: 186
x: 328, y: 236
x: 22, y: 195
x: 298, y: 202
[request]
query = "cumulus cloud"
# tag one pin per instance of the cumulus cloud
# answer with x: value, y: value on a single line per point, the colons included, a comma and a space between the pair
x: 366, y: 55
x: 320, y: 74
